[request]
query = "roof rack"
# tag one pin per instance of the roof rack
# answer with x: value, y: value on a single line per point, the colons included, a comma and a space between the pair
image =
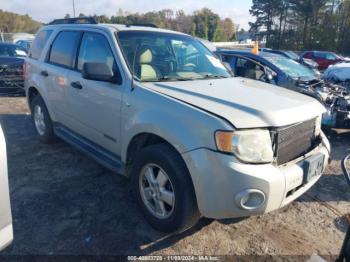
x: 143, y: 24
x: 78, y: 20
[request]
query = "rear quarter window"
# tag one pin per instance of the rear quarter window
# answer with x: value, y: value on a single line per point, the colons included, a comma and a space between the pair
x: 39, y: 43
x: 64, y: 48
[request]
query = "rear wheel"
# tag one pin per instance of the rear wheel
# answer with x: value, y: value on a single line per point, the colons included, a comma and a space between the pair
x: 163, y: 189
x: 42, y: 121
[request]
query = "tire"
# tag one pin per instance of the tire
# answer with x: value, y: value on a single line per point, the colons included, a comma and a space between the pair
x: 184, y: 213
x: 42, y: 121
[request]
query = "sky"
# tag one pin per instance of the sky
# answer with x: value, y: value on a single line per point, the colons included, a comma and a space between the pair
x: 47, y: 10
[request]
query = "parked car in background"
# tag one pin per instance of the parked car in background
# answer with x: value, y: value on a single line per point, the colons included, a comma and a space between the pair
x: 338, y: 74
x: 25, y: 44
x: 323, y: 58
x: 157, y: 106
x: 6, y: 231
x: 345, y: 58
x: 292, y: 55
x: 11, y: 68
x: 285, y: 72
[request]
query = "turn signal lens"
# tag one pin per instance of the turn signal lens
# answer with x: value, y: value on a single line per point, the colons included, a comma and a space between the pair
x: 224, y: 141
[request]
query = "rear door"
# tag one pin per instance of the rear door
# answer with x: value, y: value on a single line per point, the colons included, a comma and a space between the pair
x: 60, y: 60
x: 6, y: 234
x: 96, y: 105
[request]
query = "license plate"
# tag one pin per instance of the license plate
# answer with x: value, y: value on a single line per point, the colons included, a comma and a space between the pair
x: 313, y: 167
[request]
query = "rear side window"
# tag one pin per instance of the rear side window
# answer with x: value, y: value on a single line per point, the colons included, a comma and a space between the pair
x: 95, y: 48
x: 39, y: 43
x: 63, y: 49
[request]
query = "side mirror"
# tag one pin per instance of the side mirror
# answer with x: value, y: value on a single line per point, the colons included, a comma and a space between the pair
x: 100, y: 72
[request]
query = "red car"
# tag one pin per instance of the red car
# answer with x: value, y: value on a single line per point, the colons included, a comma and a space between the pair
x: 323, y: 58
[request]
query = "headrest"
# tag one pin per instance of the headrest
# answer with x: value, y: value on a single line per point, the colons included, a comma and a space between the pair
x: 145, y: 56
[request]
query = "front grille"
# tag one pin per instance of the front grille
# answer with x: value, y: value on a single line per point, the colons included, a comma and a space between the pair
x: 294, y: 141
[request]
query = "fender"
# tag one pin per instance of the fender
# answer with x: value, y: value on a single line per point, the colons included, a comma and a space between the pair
x: 184, y: 126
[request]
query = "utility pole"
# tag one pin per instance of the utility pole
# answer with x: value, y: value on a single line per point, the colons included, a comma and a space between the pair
x: 73, y: 8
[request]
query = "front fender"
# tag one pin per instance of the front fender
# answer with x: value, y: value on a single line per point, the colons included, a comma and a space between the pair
x: 184, y: 126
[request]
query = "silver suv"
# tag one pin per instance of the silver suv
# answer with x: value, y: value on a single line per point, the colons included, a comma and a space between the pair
x: 157, y: 106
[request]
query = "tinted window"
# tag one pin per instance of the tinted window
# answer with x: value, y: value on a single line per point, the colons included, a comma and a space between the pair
x: 95, y: 48
x: 39, y: 43
x: 64, y: 47
x: 12, y: 50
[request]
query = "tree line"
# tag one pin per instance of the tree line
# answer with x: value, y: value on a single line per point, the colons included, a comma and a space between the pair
x: 202, y: 23
x: 13, y: 23
x: 303, y: 24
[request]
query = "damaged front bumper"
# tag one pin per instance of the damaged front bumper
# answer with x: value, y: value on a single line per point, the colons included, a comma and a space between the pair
x: 335, y: 98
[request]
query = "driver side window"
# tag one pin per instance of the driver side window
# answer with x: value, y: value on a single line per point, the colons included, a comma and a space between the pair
x: 95, y: 48
x: 249, y: 69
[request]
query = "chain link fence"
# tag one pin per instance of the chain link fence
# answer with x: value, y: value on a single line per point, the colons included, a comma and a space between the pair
x: 14, y: 37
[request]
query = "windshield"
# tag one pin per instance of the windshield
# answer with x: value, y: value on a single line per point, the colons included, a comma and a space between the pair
x: 327, y: 55
x: 292, y: 55
x: 156, y: 56
x: 292, y: 68
x: 11, y: 50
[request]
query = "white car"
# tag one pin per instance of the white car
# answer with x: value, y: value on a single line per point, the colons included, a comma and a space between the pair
x: 6, y: 233
x: 338, y: 72
x: 158, y: 107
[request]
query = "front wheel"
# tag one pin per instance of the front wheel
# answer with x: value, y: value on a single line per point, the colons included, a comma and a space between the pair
x: 163, y: 189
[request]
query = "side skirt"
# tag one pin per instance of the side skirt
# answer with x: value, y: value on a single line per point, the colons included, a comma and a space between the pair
x: 101, y: 155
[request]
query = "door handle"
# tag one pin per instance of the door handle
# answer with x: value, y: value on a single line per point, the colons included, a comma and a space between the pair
x: 76, y: 85
x: 44, y: 73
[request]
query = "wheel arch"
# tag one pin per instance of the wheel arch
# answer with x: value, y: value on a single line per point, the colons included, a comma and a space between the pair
x: 31, y: 93
x: 142, y: 140
x: 145, y: 139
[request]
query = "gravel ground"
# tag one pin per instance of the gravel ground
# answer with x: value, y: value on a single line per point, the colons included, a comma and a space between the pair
x: 65, y: 203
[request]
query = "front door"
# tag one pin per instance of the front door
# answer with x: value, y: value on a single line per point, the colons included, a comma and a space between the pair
x: 96, y: 105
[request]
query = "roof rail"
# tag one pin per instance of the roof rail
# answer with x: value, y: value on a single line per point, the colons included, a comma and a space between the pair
x: 143, y: 24
x: 77, y: 20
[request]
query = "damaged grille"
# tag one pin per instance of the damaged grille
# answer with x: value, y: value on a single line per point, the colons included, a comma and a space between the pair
x: 294, y: 141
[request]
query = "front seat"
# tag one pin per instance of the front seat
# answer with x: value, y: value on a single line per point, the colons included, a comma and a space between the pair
x: 249, y: 70
x: 144, y: 68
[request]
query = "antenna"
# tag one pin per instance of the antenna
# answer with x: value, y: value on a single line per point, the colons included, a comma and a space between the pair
x: 73, y: 8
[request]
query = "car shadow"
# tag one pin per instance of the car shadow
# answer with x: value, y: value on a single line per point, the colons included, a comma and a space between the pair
x: 64, y: 203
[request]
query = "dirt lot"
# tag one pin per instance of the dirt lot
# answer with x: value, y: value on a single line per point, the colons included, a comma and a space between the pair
x: 65, y: 203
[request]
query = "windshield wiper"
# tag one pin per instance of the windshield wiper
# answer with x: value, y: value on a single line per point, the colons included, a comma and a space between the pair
x: 170, y: 78
x: 212, y: 76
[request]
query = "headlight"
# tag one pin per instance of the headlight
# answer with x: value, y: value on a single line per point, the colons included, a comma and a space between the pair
x: 253, y: 146
x: 318, y: 126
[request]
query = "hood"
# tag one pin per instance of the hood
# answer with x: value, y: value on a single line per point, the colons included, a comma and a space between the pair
x: 243, y: 102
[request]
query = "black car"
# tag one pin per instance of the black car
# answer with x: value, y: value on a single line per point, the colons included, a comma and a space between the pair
x: 282, y: 71
x: 11, y: 68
